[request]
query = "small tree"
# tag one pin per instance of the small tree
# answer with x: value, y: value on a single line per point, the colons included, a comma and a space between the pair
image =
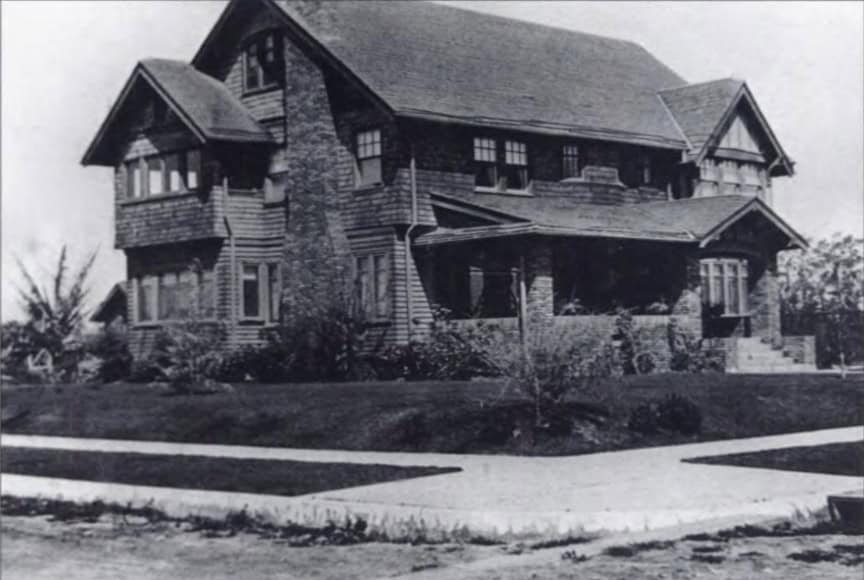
x: 55, y: 317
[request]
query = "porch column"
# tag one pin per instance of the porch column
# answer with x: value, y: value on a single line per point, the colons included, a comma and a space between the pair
x: 688, y: 307
x: 539, y: 306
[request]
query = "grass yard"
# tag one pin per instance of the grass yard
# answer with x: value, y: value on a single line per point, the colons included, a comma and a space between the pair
x: 449, y: 417
x: 211, y: 473
x: 833, y: 459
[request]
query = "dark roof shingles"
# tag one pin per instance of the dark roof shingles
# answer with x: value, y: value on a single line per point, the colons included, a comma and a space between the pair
x: 208, y: 103
x: 429, y: 58
x: 699, y: 108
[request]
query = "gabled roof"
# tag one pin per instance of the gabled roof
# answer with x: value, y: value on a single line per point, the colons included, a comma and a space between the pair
x: 702, y: 112
x: 438, y: 62
x: 693, y: 220
x: 205, y: 106
x: 113, y: 305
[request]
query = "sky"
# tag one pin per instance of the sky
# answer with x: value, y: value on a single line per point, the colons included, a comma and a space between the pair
x: 65, y: 62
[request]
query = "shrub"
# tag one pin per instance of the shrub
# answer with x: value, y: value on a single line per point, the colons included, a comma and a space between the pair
x: 687, y: 353
x: 262, y: 364
x: 111, y: 347
x: 449, y: 353
x: 636, y: 358
x: 679, y: 414
x: 188, y: 356
x: 643, y: 419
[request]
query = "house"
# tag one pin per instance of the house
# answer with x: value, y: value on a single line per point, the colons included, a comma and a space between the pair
x: 404, y: 156
x: 113, y: 311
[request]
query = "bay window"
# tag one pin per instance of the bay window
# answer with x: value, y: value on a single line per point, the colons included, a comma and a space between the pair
x: 177, y: 295
x: 725, y: 285
x: 176, y: 172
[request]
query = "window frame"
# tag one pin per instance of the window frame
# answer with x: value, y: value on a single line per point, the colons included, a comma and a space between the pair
x: 716, y: 275
x: 263, y: 271
x: 570, y: 161
x: 504, y: 152
x: 189, y: 162
x: 378, y: 291
x: 368, y: 152
x: 155, y: 281
x: 256, y: 47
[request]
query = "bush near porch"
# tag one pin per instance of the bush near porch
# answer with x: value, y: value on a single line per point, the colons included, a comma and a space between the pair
x: 457, y: 417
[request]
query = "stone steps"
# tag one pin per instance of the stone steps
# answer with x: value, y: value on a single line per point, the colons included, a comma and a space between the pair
x: 756, y: 356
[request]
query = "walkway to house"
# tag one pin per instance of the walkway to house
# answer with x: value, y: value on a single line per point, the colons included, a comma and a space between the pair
x: 617, y: 491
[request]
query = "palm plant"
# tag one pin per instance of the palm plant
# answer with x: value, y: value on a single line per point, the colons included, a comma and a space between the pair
x: 55, y: 316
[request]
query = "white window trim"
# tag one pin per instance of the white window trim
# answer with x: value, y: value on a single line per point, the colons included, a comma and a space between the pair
x: 726, y: 269
x: 156, y: 320
x: 501, y: 164
x: 264, y: 314
x: 143, y: 181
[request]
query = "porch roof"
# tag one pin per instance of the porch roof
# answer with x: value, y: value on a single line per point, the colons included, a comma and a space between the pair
x: 698, y: 220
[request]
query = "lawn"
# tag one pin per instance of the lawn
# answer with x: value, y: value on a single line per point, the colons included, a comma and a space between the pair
x: 833, y: 459
x: 212, y: 473
x: 449, y: 417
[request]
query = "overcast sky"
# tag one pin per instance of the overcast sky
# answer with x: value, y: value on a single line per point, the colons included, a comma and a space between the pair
x: 64, y: 63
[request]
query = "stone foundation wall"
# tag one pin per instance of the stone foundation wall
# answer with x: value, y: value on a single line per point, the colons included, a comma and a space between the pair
x: 802, y: 349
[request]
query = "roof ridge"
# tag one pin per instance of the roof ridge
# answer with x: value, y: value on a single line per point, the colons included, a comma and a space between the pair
x: 713, y: 81
x: 528, y: 22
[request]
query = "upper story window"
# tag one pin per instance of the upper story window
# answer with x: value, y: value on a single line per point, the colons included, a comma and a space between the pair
x: 724, y: 285
x: 569, y: 161
x: 507, y: 172
x: 262, y: 60
x: 176, y: 172
x: 368, y: 155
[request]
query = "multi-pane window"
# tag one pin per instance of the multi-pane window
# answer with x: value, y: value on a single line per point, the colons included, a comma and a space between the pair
x: 175, y: 296
x: 368, y: 153
x: 570, y: 161
x: 516, y: 165
x: 260, y: 289
x: 170, y: 173
x: 373, y: 286
x: 485, y: 162
x: 724, y: 285
x: 509, y: 172
x: 261, y: 61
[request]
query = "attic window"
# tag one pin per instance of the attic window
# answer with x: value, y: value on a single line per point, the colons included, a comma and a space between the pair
x: 262, y: 60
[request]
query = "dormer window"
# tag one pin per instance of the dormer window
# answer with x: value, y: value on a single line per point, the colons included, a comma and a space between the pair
x: 261, y: 62
x: 570, y: 161
x: 368, y: 155
x: 501, y: 173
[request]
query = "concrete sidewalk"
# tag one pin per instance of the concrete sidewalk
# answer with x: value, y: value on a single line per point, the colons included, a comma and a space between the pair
x: 617, y: 491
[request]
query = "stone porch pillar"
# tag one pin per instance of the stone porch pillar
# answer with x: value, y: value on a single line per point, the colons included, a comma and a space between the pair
x: 539, y: 307
x: 688, y: 307
x: 764, y: 300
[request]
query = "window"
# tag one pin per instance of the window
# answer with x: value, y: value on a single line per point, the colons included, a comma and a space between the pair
x: 261, y: 294
x: 170, y: 173
x: 274, y: 291
x: 368, y: 152
x: 724, y: 285
x: 261, y: 62
x: 570, y: 161
x: 645, y: 162
x: 179, y: 295
x: 516, y: 163
x: 490, y: 172
x: 373, y: 286
x: 485, y: 160
x: 155, y: 178
x: 133, y: 179
x: 147, y: 299
x: 251, y: 289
